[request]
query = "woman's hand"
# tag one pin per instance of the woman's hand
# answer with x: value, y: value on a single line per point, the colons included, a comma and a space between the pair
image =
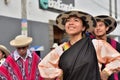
x: 116, y: 70
x: 104, y: 75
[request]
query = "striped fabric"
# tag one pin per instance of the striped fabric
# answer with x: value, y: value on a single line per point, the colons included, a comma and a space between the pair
x: 21, y: 70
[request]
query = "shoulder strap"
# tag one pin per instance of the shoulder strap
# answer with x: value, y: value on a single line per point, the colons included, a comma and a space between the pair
x: 113, y: 43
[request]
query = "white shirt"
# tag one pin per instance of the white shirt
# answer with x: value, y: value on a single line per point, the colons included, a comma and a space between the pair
x: 17, y: 56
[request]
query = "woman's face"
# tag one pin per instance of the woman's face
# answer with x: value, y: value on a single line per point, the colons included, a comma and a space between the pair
x: 74, y: 26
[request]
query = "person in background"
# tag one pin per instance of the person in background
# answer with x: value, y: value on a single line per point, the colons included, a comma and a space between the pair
x: 105, y: 25
x: 4, y: 52
x: 22, y: 63
x: 75, y: 59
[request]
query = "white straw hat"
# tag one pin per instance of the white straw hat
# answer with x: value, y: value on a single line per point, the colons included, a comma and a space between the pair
x: 21, y: 41
x: 5, y: 50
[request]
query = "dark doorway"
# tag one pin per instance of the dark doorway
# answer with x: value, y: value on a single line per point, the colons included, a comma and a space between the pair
x: 58, y: 34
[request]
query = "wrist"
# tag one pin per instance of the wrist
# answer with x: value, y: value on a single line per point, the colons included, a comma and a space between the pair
x: 109, y: 72
x: 104, y: 75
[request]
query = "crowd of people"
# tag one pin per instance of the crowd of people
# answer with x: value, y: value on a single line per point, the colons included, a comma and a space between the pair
x: 88, y: 54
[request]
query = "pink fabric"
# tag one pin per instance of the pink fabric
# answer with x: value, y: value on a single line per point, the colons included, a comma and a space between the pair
x: 33, y: 69
x: 113, y: 43
x: 4, y: 71
x: 116, y: 76
x: 15, y: 66
x: 48, y: 67
x: 106, y: 54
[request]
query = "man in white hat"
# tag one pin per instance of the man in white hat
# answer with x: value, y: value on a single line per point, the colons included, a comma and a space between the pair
x: 4, y: 52
x: 22, y: 63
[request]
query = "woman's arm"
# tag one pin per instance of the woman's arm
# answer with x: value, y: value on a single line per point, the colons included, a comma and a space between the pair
x: 48, y: 67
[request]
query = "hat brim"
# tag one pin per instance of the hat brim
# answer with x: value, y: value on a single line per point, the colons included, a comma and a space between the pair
x: 21, y: 42
x: 5, y: 50
x: 89, y: 19
x: 109, y: 20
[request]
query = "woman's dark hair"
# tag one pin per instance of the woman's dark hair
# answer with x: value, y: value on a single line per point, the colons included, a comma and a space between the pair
x: 106, y: 24
x: 84, y: 25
